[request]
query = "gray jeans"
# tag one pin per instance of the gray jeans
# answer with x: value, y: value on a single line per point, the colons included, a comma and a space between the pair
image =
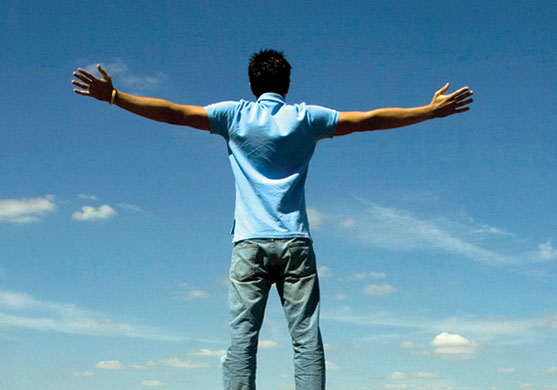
x: 256, y: 265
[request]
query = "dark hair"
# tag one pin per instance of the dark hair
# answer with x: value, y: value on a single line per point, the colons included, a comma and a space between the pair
x: 269, y: 71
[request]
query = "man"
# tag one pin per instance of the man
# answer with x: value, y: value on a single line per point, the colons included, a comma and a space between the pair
x: 270, y: 145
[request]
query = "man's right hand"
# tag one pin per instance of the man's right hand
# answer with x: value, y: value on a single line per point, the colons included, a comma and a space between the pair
x: 92, y: 86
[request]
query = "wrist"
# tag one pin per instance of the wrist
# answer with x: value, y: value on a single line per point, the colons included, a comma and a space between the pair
x: 113, y: 96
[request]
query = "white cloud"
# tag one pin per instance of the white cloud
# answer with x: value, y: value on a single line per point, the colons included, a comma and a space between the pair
x: 552, y: 370
x: 324, y: 272
x: 87, y: 197
x: 397, y: 375
x: 209, y: 353
x: 368, y: 275
x: 315, y: 218
x: 151, y: 383
x: 90, y: 213
x: 453, y: 346
x: 547, y: 251
x: 268, y: 344
x: 130, y: 207
x: 25, y: 210
x: 330, y: 366
x: 379, y: 289
x: 110, y: 365
x: 172, y: 362
x: 400, y: 230
x: 340, y: 297
x: 408, y: 345
x: 506, y: 370
x: 82, y: 374
x: 185, y: 293
x: 425, y: 374
x: 348, y: 223
x: 506, y: 330
x: 418, y: 380
x: 198, y: 294
x: 19, y: 310
x: 121, y: 74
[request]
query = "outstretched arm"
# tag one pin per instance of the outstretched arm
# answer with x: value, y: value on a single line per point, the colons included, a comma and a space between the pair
x: 389, y: 118
x: 152, y: 108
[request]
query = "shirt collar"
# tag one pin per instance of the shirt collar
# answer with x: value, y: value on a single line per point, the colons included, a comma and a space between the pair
x: 272, y: 96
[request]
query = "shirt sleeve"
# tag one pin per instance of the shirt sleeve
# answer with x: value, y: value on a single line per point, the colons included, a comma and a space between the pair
x: 221, y: 116
x: 323, y: 121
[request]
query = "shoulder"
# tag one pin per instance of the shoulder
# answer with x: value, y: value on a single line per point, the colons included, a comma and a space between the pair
x: 223, y: 114
x: 321, y: 121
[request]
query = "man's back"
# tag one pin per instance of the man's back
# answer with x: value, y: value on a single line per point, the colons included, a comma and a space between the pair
x: 270, y: 145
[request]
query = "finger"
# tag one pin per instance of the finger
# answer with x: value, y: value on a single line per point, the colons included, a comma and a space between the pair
x: 464, y: 103
x: 459, y: 92
x: 85, y: 73
x: 81, y: 92
x: 80, y: 85
x: 460, y: 110
x: 463, y: 96
x: 83, y: 78
x: 443, y: 89
x: 104, y: 73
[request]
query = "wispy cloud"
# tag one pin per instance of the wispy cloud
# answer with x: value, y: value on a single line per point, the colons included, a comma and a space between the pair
x: 112, y: 365
x: 130, y: 207
x: 399, y: 380
x: 546, y: 251
x: 82, y: 374
x: 25, y: 210
x: 379, y: 289
x: 151, y: 383
x: 19, y: 310
x: 203, y: 352
x: 401, y: 230
x: 90, y: 213
x: 324, y: 272
x: 330, y: 366
x: 507, y: 330
x: 268, y: 344
x: 396, y: 229
x: 367, y: 275
x: 87, y: 196
x: 315, y: 218
x: 123, y: 76
x: 171, y: 362
x: 186, y: 293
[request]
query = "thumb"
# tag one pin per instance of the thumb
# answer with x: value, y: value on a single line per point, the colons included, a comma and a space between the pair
x: 443, y: 89
x: 103, y: 72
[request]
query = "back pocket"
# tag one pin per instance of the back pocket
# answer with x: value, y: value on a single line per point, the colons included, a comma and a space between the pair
x: 244, y: 261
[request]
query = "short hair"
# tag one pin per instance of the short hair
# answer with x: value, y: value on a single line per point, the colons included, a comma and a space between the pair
x: 269, y: 71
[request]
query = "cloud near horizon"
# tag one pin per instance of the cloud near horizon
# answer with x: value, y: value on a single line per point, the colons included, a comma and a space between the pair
x: 453, y: 346
x: 20, y: 310
x: 505, y: 330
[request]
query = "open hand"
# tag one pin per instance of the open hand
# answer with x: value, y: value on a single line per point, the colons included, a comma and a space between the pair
x: 454, y: 103
x: 90, y: 85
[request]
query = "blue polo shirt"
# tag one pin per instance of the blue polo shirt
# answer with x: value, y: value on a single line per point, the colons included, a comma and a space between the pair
x: 270, y: 144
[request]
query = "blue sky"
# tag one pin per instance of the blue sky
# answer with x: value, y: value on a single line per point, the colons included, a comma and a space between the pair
x: 436, y: 243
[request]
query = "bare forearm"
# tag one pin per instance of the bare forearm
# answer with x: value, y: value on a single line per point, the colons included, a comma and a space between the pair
x: 152, y: 108
x: 389, y: 118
